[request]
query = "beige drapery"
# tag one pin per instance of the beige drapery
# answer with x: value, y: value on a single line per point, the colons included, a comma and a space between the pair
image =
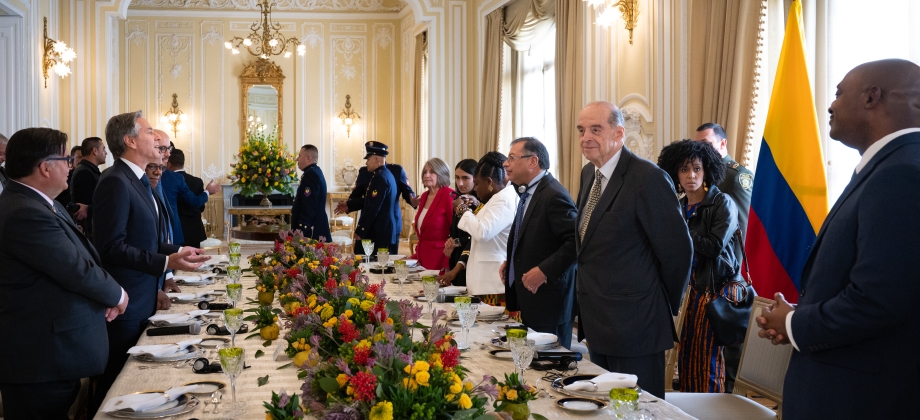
x: 420, y: 127
x: 490, y: 109
x: 527, y: 21
x: 570, y: 21
x: 723, y: 50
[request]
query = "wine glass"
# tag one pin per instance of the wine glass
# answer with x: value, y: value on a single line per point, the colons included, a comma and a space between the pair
x: 430, y: 286
x: 235, y: 259
x: 466, y: 313
x: 234, y: 247
x: 368, y: 246
x: 234, y: 273
x: 522, y: 351
x: 383, y: 257
x: 233, y: 320
x: 232, y: 360
x: 402, y: 272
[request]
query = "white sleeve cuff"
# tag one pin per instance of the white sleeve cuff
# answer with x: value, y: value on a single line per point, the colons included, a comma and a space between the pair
x: 789, y: 329
x: 169, y: 275
x: 123, y: 295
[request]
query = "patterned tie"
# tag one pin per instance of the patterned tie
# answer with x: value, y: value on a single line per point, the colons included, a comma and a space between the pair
x: 518, y: 218
x: 592, y: 201
x: 146, y: 183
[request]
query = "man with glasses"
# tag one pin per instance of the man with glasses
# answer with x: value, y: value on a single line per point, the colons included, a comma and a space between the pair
x: 55, y: 297
x: 539, y: 270
x: 175, y: 189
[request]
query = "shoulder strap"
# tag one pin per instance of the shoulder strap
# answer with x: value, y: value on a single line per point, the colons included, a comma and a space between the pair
x: 744, y: 261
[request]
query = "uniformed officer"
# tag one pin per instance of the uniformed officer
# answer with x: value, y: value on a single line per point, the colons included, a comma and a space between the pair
x: 355, y: 200
x: 739, y: 181
x: 380, y: 216
x: 309, y: 211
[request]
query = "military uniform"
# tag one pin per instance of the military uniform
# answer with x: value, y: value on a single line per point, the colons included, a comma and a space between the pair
x: 380, y: 215
x: 738, y: 184
x: 309, y: 211
x: 355, y: 200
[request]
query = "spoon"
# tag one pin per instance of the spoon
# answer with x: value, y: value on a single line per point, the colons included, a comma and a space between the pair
x: 215, y: 399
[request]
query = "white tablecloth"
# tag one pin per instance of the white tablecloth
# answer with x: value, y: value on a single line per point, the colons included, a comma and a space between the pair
x: 477, y: 360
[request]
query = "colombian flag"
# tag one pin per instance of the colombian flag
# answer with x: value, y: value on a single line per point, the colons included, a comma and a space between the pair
x: 789, y: 201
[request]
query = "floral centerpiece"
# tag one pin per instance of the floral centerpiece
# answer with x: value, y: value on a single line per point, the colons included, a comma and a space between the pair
x: 263, y: 165
x: 283, y: 407
x: 513, y: 396
x: 266, y: 322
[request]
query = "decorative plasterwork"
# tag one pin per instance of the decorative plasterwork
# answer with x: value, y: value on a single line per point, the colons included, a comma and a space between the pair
x: 297, y: 5
x: 383, y: 34
x: 359, y: 28
x: 174, y: 45
x: 263, y: 69
x: 173, y: 24
x: 136, y: 31
x: 314, y: 35
x: 211, y: 33
x: 349, y: 71
x: 247, y: 26
x: 637, y: 140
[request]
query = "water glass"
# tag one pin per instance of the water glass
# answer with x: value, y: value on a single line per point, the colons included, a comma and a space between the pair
x: 402, y: 273
x: 430, y: 286
x: 234, y: 247
x: 522, y: 352
x: 368, y: 246
x: 235, y: 258
x: 233, y: 320
x: 624, y: 402
x: 234, y: 273
x: 383, y: 257
x: 232, y: 360
x: 466, y: 313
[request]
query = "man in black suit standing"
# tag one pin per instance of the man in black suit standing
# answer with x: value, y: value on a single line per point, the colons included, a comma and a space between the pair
x: 539, y: 272
x: 128, y: 236
x: 85, y: 177
x: 634, y: 252
x: 189, y: 216
x: 54, y: 295
x: 309, y: 211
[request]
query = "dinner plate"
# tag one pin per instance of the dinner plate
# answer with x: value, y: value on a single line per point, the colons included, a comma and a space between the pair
x: 579, y: 404
x: 560, y: 383
x: 182, y: 405
x: 189, y: 352
x: 502, y: 343
x: 213, y: 342
x: 206, y: 387
x: 501, y: 354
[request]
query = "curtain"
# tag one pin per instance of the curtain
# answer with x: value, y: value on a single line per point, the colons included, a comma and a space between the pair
x: 526, y: 22
x: 490, y: 110
x: 420, y: 127
x: 570, y: 21
x: 723, y: 62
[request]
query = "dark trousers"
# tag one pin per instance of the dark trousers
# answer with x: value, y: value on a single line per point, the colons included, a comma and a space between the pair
x: 123, y: 334
x: 562, y: 331
x: 732, y: 357
x: 40, y: 401
x: 649, y: 369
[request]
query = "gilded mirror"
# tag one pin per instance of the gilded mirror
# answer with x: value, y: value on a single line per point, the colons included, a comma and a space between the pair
x: 261, y: 97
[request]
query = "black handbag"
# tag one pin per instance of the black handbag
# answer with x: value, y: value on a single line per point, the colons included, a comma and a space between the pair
x: 729, y: 320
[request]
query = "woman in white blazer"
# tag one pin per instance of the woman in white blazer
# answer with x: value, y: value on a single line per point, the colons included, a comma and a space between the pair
x: 488, y: 226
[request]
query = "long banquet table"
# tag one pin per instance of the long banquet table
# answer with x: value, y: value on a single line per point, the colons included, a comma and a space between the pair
x: 477, y: 359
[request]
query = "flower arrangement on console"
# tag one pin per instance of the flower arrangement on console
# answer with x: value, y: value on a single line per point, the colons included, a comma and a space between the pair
x: 263, y: 165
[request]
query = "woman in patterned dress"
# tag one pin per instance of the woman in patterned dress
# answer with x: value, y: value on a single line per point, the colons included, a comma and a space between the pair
x: 712, y: 217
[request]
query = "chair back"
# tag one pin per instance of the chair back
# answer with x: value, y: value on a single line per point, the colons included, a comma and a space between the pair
x: 670, y: 356
x: 763, y: 365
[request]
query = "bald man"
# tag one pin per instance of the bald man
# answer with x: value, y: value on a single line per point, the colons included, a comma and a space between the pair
x: 853, y: 328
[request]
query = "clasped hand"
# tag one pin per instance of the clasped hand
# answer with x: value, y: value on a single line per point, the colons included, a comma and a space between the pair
x: 772, y: 321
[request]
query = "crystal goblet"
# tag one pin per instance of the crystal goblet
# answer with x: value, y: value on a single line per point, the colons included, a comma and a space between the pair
x: 232, y: 360
x: 233, y: 320
x: 402, y: 273
x: 430, y: 287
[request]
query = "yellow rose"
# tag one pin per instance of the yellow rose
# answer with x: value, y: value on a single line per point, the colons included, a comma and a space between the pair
x: 422, y: 378
x: 348, y: 313
x: 354, y: 302
x: 456, y: 388
x: 408, y: 369
x: 511, y: 395
x: 468, y: 386
x: 342, y: 379
x: 368, y: 295
x: 421, y: 366
x: 450, y: 397
x: 366, y: 305
x: 465, y: 402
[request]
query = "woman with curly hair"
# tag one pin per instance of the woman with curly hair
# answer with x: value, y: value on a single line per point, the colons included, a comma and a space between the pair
x: 696, y: 168
x: 459, y: 254
x: 488, y: 225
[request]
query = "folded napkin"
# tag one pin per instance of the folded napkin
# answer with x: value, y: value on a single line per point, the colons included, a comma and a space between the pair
x: 216, y: 259
x: 157, y: 350
x: 193, y: 278
x: 452, y: 290
x: 143, y: 402
x: 604, y: 383
x: 179, y: 317
x: 542, y: 339
x: 182, y: 296
x: 490, y: 311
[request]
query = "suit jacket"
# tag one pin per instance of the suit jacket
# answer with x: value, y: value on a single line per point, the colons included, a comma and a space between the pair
x: 52, y: 314
x: 489, y: 229
x: 546, y: 240
x: 435, y: 229
x: 634, y: 261
x: 3, y: 178
x: 189, y: 215
x: 854, y: 324
x: 309, y: 210
x: 380, y: 218
x: 82, y: 186
x: 355, y: 200
x: 175, y: 190
x: 126, y: 235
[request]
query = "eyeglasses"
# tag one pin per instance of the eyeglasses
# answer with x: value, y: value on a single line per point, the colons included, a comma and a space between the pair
x: 164, y: 149
x: 68, y: 159
x: 513, y: 158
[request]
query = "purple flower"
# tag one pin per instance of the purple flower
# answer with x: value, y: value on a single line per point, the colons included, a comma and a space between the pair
x: 314, y: 340
x: 437, y: 332
x: 406, y: 357
x: 410, y: 311
x: 343, y: 366
x: 284, y: 399
x: 488, y: 388
x: 385, y: 351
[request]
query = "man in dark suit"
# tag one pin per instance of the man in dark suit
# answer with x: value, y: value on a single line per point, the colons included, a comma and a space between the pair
x: 540, y: 267
x: 380, y: 217
x: 85, y: 177
x: 3, y: 178
x: 175, y: 190
x: 189, y: 215
x: 128, y: 236
x: 54, y: 295
x: 853, y: 328
x: 64, y: 197
x: 634, y: 252
x: 309, y: 211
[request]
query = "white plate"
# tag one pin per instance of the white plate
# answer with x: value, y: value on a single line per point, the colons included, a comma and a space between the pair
x: 182, y: 405
x: 582, y: 405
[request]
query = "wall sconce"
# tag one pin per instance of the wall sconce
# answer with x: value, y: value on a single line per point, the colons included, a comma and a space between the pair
x: 56, y: 56
x: 629, y: 10
x: 348, y: 116
x: 174, y: 116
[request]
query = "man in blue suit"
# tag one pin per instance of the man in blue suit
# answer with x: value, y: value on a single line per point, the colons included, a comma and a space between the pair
x: 54, y: 295
x: 175, y: 189
x: 128, y: 235
x: 853, y: 329
x: 309, y: 211
x: 380, y: 218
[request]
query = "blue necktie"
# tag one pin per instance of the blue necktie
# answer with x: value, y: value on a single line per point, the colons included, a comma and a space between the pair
x: 518, y: 218
x: 146, y: 183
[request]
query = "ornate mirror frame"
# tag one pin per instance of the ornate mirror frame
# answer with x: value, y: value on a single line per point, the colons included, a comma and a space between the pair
x: 260, y: 72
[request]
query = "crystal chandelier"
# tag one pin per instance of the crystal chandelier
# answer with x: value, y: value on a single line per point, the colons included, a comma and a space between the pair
x: 270, y: 41
x: 57, y: 56
x: 607, y: 14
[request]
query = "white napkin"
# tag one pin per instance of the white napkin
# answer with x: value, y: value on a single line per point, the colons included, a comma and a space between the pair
x: 452, y: 290
x: 216, y: 259
x: 198, y: 312
x: 542, y: 339
x: 182, y: 296
x: 157, y: 350
x: 490, y: 311
x: 179, y: 317
x: 142, y: 402
x: 604, y: 383
x: 194, y: 278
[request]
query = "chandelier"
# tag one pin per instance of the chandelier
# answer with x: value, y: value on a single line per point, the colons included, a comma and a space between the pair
x: 56, y: 57
x: 607, y: 15
x: 270, y: 41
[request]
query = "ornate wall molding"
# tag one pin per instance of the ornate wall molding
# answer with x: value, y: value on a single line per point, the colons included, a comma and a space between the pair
x: 383, y: 34
x: 637, y: 140
x: 296, y: 5
x: 136, y: 31
x: 212, y: 33
x: 314, y: 35
x: 359, y: 28
x: 247, y: 26
x: 173, y: 24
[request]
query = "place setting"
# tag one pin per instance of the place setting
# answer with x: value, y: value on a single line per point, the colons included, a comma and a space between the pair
x: 167, y: 353
x: 184, y: 278
x: 153, y: 404
x: 177, y: 319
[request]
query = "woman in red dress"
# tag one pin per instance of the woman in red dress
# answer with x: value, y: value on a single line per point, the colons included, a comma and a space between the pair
x: 434, y: 215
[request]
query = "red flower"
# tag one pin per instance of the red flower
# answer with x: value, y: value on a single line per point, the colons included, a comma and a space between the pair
x: 327, y: 261
x: 290, y: 238
x: 330, y: 285
x: 301, y: 310
x: 293, y: 272
x: 352, y: 276
x: 378, y: 313
x: 450, y: 357
x: 365, y: 386
x: 373, y: 289
x: 347, y: 330
x: 278, y: 245
x: 361, y: 355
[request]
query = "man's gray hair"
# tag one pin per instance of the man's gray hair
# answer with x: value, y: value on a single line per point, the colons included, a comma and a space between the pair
x: 616, y: 116
x: 120, y: 126
x: 3, y: 140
